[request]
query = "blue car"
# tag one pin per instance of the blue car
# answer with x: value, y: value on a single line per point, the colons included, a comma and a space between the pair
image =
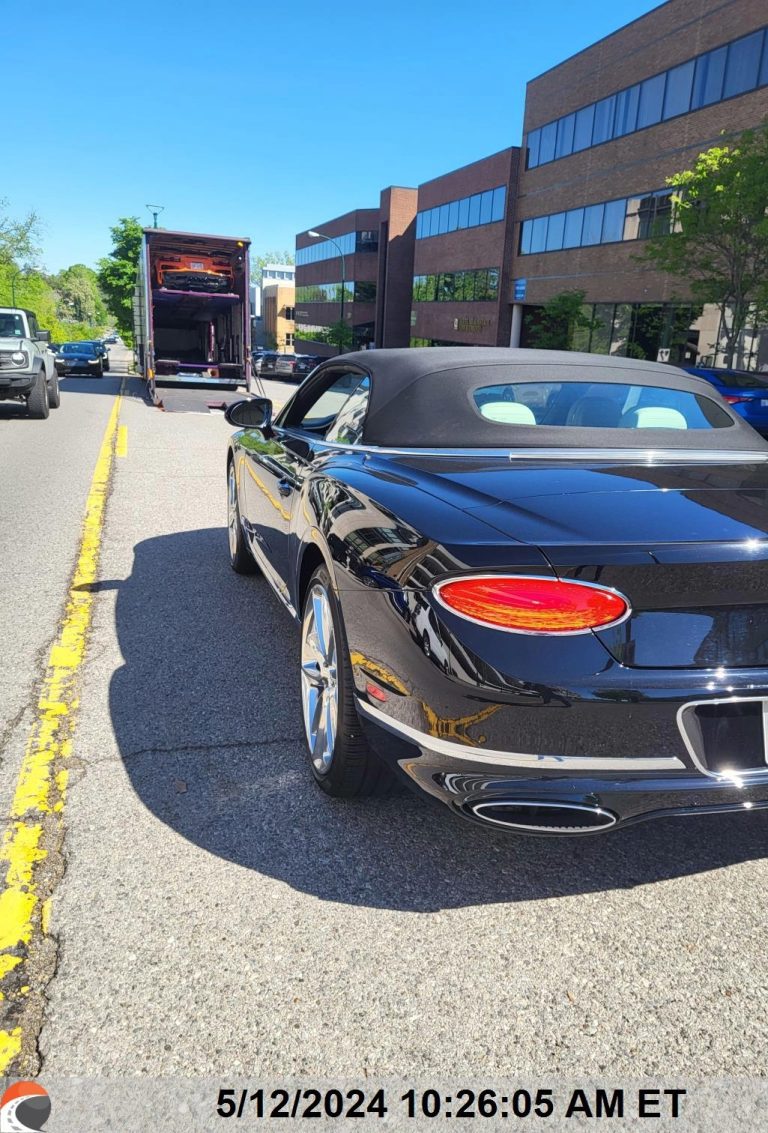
x: 747, y: 392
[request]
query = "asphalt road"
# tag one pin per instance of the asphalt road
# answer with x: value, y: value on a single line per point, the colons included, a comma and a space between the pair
x: 219, y: 915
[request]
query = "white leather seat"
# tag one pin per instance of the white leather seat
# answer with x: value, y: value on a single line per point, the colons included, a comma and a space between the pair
x: 653, y: 417
x: 508, y: 412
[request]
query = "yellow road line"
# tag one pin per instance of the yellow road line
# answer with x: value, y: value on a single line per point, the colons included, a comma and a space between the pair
x: 121, y: 448
x: 31, y: 847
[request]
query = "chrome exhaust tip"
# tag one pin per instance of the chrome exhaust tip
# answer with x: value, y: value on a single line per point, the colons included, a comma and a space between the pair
x: 536, y: 817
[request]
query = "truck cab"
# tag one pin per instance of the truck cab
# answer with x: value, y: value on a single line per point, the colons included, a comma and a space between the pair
x: 27, y: 367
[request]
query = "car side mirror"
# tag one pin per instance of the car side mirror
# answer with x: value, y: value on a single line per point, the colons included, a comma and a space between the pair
x: 255, y: 413
x: 43, y: 336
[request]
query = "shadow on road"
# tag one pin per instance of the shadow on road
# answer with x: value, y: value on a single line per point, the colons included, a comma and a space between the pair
x: 207, y: 717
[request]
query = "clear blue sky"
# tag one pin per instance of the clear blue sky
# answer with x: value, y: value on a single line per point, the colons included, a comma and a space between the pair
x: 261, y: 117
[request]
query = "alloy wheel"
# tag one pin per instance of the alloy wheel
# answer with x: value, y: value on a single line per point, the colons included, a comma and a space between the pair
x: 319, y: 685
x: 232, y: 516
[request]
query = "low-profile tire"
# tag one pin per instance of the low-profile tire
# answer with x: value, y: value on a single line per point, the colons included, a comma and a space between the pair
x: 342, y: 763
x: 54, y: 393
x: 37, y: 399
x: 240, y: 558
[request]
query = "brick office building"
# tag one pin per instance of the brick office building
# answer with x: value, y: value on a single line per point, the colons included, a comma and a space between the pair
x: 463, y: 254
x: 377, y: 250
x: 492, y: 241
x: 603, y: 131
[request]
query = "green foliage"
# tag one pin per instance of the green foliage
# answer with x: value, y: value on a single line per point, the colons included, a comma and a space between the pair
x: 69, y: 304
x: 719, y: 239
x: 337, y: 334
x: 555, y: 325
x: 79, y: 296
x: 261, y: 261
x: 32, y: 290
x: 117, y: 274
x: 18, y: 238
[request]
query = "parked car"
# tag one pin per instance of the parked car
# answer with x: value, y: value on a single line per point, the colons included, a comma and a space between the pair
x: 112, y: 339
x: 27, y: 367
x: 79, y: 358
x: 746, y: 391
x: 305, y: 364
x: 284, y: 365
x: 268, y: 362
x: 102, y: 351
x: 590, y: 536
x: 257, y: 356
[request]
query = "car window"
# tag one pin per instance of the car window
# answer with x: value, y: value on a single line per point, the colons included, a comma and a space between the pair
x: 11, y: 326
x: 601, y: 405
x: 347, y: 429
x: 77, y: 348
x: 318, y: 415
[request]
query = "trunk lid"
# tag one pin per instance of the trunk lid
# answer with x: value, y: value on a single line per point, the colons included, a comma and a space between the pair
x: 685, y: 542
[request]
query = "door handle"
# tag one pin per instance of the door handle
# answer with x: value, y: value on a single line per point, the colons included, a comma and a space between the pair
x: 284, y: 487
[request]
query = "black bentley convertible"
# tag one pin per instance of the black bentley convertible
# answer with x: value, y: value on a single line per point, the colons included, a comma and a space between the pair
x: 532, y: 583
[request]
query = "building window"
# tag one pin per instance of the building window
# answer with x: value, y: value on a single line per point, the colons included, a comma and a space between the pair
x: 290, y: 313
x: 325, y: 250
x: 677, y: 96
x: 708, y: 78
x: 725, y: 72
x: 367, y: 241
x: 605, y: 112
x: 469, y: 212
x: 476, y: 285
x: 743, y: 66
x: 630, y: 218
x: 651, y: 101
x: 288, y: 338
x: 359, y: 291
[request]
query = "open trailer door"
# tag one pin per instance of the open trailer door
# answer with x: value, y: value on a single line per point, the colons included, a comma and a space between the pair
x: 197, y: 297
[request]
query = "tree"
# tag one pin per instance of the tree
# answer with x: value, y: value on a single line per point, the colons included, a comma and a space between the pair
x: 553, y: 327
x: 79, y: 295
x: 718, y: 241
x: 18, y: 238
x: 117, y: 273
x: 261, y: 261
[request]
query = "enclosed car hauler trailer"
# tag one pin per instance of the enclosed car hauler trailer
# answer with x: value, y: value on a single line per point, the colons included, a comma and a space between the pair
x: 191, y: 311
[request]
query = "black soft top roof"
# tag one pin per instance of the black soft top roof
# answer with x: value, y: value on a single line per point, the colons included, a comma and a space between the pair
x: 422, y: 398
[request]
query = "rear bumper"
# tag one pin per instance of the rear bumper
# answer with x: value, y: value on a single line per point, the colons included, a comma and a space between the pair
x: 555, y: 795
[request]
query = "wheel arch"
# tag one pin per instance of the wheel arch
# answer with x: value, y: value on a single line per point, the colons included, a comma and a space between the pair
x: 310, y: 558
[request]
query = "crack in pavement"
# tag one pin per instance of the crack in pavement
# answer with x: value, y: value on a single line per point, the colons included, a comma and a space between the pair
x: 216, y: 746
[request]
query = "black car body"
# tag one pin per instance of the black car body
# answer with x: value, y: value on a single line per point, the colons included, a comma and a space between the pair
x: 305, y: 364
x: 439, y: 520
x: 100, y: 347
x: 268, y: 362
x: 79, y: 358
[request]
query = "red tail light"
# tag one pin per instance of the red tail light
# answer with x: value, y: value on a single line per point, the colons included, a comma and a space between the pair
x: 734, y: 400
x: 526, y: 604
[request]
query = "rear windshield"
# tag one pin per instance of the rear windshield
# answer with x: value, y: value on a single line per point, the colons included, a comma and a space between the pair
x: 603, y: 405
x: 740, y: 379
x: 78, y: 348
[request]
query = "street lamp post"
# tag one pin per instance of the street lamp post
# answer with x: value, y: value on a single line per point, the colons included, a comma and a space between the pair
x: 155, y: 210
x: 330, y: 239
